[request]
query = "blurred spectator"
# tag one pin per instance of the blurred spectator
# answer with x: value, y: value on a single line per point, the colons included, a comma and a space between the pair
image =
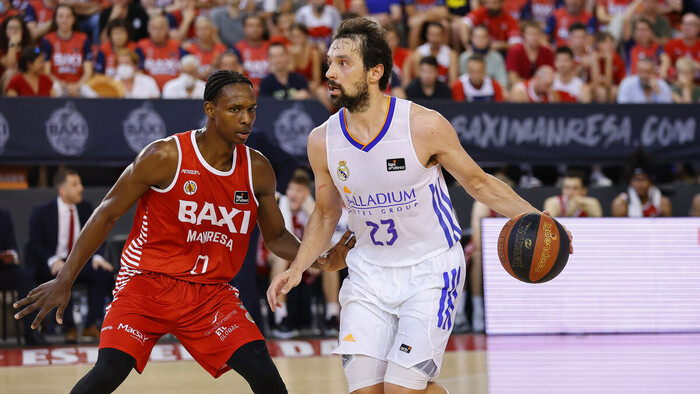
x: 119, y: 37
x: 539, y: 10
x: 558, y: 24
x: 69, y: 54
x: 31, y: 81
x: 573, y: 201
x: 187, y: 84
x: 568, y: 86
x: 538, y: 89
x: 475, y: 85
x: 305, y: 57
x: 6, y: 10
x: 229, y: 60
x: 132, y: 12
x: 607, y: 69
x: 448, y: 68
x: 649, y: 11
x: 280, y: 26
x: 182, y: 20
x: 687, y: 44
x: 428, y: 85
x: 644, y: 87
x: 695, y: 207
x: 503, y: 29
x: 88, y: 15
x: 39, y: 17
x: 481, y: 45
x: 610, y: 13
x: 514, y: 8
x: 53, y: 229
x: 418, y: 12
x: 160, y: 54
x: 159, y: 7
x: 229, y: 21
x: 685, y: 90
x: 253, y: 49
x: 402, y: 60
x: 644, y: 46
x: 16, y: 278
x: 386, y: 12
x: 642, y: 198
x: 206, y: 47
x: 137, y: 84
x: 524, y: 59
x: 280, y: 83
x: 320, y: 19
x: 14, y: 37
x: 580, y: 46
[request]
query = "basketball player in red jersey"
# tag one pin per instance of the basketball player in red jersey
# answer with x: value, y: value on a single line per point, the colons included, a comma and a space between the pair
x: 199, y: 194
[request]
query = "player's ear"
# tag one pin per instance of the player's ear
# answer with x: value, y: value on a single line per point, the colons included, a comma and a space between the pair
x: 376, y: 73
x: 209, y: 109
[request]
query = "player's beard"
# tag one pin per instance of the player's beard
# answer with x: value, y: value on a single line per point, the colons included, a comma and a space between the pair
x: 355, y: 103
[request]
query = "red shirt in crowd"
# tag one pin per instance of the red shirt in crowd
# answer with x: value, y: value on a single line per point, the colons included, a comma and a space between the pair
x: 399, y: 56
x: 637, y: 52
x: 538, y: 10
x: 255, y: 63
x: 559, y: 22
x: 501, y: 28
x: 517, y: 60
x: 206, y: 58
x: 618, y: 68
x: 37, y: 12
x: 8, y: 13
x: 162, y: 62
x: 676, y: 49
x: 175, y: 19
x: 67, y: 56
x: 514, y: 7
x: 23, y: 88
x: 106, y: 61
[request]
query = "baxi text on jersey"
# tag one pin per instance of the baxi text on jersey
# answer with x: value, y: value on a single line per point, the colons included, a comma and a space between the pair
x: 390, y: 202
x: 210, y: 214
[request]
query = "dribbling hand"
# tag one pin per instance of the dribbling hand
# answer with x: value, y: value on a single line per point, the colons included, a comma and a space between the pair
x: 571, y: 237
x: 52, y: 294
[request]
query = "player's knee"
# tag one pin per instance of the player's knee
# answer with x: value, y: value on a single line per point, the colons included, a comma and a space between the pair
x: 363, y: 371
x: 414, y: 378
x: 253, y: 362
x: 110, y: 370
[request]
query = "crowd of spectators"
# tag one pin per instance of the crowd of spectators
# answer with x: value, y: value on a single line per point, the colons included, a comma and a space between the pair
x: 478, y: 50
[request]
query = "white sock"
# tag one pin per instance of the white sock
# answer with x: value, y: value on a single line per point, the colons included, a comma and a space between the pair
x: 332, y: 309
x: 280, y: 313
x: 477, y: 305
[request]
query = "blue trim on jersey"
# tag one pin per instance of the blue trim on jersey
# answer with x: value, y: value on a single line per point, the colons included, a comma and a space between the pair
x: 450, y: 242
x: 385, y: 128
x: 453, y: 222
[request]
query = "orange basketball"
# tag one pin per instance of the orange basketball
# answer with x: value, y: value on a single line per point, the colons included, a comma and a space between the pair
x: 533, y: 247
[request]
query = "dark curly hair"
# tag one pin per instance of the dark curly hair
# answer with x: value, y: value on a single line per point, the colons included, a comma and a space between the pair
x: 373, y: 45
x: 217, y: 81
x: 5, y: 40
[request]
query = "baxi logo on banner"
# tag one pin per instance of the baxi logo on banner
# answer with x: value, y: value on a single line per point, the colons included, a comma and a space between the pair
x: 67, y: 130
x: 292, y: 128
x: 143, y: 126
x: 4, y: 132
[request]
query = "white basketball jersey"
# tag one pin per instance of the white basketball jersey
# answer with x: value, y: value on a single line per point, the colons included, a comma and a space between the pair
x: 399, y: 210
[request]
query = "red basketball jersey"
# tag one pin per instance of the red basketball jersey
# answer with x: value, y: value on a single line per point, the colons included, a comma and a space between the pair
x: 206, y: 58
x: 162, y: 62
x: 255, y: 63
x: 38, y: 12
x: 578, y: 214
x: 67, y: 56
x: 106, y: 62
x: 197, y: 229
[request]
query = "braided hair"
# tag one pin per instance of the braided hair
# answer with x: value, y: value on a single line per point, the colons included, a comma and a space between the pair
x: 217, y: 81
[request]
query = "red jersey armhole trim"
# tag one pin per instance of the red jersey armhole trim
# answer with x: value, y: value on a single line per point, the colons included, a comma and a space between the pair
x: 250, y: 176
x: 177, y: 172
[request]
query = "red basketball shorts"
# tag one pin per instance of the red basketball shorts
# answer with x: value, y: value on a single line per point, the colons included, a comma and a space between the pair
x: 208, y: 319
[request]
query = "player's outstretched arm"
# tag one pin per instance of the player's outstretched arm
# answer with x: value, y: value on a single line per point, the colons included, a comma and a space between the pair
x: 154, y: 166
x: 321, y: 224
x: 436, y: 141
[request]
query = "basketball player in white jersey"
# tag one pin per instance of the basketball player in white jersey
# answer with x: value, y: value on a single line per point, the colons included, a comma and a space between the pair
x: 382, y: 157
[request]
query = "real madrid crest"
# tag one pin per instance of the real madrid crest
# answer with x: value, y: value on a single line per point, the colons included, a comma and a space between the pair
x: 343, y: 170
x: 190, y: 188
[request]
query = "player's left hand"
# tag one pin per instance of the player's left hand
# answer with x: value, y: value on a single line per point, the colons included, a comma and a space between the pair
x: 571, y: 237
x: 334, y: 259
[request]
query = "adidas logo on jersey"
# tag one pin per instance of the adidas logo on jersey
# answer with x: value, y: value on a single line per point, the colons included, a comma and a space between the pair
x: 349, y: 338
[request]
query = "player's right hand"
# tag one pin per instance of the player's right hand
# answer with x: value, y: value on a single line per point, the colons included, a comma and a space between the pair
x: 282, y: 284
x: 52, y: 294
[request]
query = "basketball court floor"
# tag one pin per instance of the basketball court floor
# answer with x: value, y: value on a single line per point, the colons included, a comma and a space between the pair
x: 639, y: 363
